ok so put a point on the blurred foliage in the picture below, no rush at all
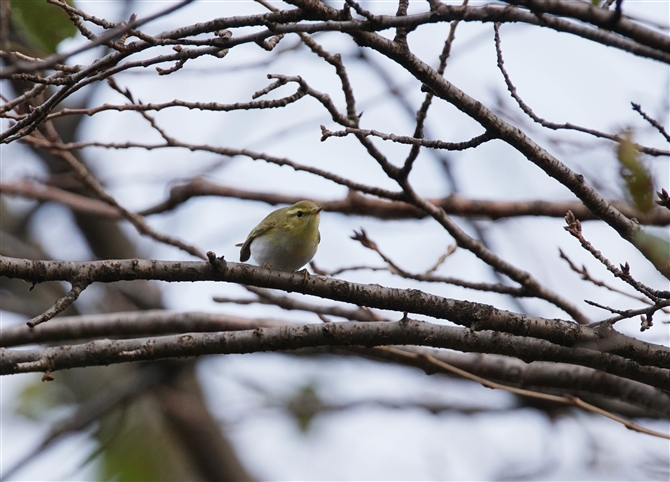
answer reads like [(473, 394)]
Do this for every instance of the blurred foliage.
[(135, 442), (636, 176), (41, 24), (304, 405), (36, 402), (139, 446), (655, 248)]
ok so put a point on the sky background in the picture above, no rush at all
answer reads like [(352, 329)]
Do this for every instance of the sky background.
[(563, 78)]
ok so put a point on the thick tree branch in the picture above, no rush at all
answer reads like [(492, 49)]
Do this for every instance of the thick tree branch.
[(353, 204), (543, 376), (127, 324), (108, 65), (565, 399), (366, 206), (537, 375), (104, 352), (475, 316), (605, 19)]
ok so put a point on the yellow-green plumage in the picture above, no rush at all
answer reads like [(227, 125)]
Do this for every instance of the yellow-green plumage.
[(286, 239)]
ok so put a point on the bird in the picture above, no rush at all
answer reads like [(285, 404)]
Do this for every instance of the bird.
[(286, 240)]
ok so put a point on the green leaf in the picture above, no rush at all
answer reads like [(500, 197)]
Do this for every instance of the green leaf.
[(42, 24), (655, 249), (636, 176)]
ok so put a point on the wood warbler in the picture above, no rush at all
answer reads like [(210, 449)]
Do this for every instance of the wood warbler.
[(286, 239)]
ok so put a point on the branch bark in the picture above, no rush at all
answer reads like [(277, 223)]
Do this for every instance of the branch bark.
[(105, 352), (476, 316)]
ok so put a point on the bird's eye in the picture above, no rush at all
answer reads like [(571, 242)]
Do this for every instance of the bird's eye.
[(299, 214)]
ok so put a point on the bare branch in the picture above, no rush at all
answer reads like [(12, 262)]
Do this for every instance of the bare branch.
[(428, 99), (362, 238), (352, 204), (366, 206), (229, 152), (76, 202), (569, 400), (220, 46), (511, 371), (604, 19), (54, 59), (287, 303), (61, 305), (575, 229), (450, 250), (336, 61), (205, 106), (552, 125), (350, 333), (626, 227), (413, 141), (476, 316), (542, 376), (128, 324), (89, 180), (587, 277), (653, 122)]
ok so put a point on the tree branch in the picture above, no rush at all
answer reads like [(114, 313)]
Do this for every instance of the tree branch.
[(60, 305), (353, 203), (476, 316), (626, 227), (104, 352)]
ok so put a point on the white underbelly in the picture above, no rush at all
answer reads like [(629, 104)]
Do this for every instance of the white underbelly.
[(285, 256)]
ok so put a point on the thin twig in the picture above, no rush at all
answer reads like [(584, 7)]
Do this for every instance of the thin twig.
[(230, 152), (450, 250), (552, 125), (413, 141), (647, 313), (59, 306), (363, 238), (422, 114), (586, 276), (287, 303), (340, 70), (135, 219), (574, 227), (653, 122), (529, 284)]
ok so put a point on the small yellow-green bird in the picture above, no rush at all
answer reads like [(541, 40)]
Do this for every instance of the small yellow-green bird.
[(286, 239)]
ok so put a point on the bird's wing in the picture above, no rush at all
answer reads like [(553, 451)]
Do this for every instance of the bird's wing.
[(245, 251)]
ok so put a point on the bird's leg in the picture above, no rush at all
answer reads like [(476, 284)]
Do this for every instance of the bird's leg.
[(305, 274)]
